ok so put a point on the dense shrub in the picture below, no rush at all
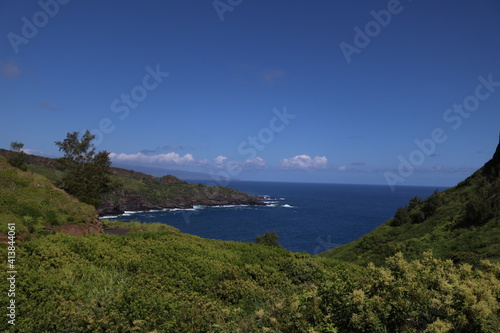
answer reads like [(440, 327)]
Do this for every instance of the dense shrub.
[(401, 217), (417, 210), (167, 281), (427, 295), (269, 239)]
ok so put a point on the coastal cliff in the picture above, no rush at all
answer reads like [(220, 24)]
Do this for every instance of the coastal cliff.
[(137, 191), (142, 192)]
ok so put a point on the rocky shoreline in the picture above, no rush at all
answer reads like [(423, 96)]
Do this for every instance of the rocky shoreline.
[(137, 203)]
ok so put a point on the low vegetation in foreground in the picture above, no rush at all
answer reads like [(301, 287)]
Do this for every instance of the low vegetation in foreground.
[(157, 279)]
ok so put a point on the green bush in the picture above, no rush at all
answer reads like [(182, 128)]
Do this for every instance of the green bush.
[(427, 295), (268, 239), (167, 281), (401, 217)]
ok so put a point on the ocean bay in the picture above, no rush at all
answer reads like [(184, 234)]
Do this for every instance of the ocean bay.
[(308, 217)]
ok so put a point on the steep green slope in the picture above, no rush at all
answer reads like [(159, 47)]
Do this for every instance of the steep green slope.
[(461, 223), (33, 203)]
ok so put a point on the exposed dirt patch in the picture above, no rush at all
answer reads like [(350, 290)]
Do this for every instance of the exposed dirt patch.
[(80, 229), (4, 239)]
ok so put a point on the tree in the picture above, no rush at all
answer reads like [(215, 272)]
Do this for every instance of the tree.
[(88, 175), (18, 158), (401, 217), (269, 239)]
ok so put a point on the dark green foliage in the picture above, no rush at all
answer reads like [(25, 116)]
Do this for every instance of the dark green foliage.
[(431, 204), (269, 239), (417, 210), (464, 257), (401, 217), (477, 212), (414, 202), (18, 157), (88, 176), (483, 204)]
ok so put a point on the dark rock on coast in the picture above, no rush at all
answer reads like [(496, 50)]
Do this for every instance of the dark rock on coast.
[(206, 196)]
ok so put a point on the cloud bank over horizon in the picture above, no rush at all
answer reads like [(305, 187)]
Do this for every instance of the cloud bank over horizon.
[(305, 162)]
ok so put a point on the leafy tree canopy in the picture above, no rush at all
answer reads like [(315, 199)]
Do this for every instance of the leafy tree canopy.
[(18, 159), (88, 177)]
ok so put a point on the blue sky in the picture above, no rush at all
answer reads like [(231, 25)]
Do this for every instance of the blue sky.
[(310, 91)]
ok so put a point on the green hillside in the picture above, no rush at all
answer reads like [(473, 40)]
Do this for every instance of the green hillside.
[(33, 203), (157, 279), (461, 223), (137, 191)]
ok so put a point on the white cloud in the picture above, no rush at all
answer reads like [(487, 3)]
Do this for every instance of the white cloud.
[(254, 163), (220, 161), (305, 162), (32, 151), (164, 159)]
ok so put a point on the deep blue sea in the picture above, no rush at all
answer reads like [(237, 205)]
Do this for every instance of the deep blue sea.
[(307, 217)]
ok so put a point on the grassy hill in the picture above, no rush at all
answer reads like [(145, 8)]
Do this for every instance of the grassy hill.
[(461, 223), (33, 203), (137, 191)]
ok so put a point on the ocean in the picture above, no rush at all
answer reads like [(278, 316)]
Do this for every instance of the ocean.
[(307, 217)]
